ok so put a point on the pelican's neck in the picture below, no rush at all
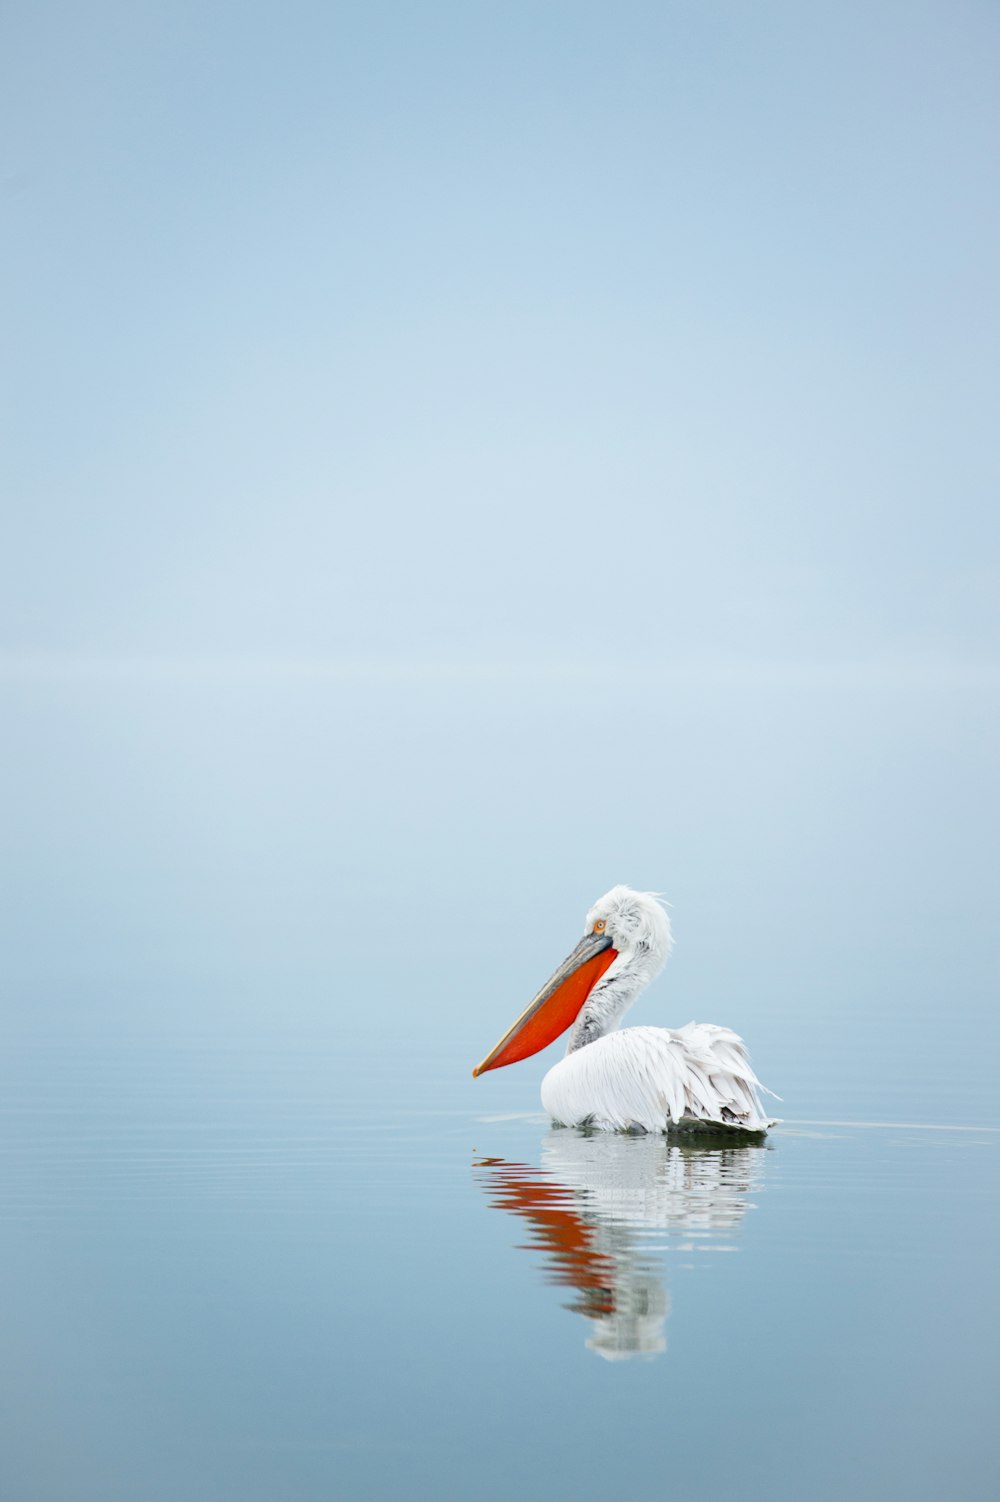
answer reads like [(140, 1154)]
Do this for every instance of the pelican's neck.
[(613, 995)]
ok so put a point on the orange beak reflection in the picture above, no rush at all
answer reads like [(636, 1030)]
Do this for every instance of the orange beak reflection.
[(567, 1240), (557, 1004)]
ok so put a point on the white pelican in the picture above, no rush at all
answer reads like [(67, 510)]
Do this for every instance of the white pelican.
[(644, 1079)]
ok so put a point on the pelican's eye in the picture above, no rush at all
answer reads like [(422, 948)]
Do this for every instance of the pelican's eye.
[(600, 926)]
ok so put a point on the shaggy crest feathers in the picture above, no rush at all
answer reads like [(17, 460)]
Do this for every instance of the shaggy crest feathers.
[(635, 920)]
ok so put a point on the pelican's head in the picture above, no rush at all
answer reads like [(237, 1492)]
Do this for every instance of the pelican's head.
[(635, 922), (622, 924)]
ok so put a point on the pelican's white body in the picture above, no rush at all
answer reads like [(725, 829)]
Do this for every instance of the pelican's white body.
[(652, 1079), (656, 1079)]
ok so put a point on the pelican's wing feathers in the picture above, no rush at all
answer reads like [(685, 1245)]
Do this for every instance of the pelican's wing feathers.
[(659, 1079)]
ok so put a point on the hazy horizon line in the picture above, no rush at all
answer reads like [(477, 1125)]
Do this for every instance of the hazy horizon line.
[(51, 666)]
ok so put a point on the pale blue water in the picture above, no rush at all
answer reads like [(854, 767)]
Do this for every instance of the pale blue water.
[(264, 1237)]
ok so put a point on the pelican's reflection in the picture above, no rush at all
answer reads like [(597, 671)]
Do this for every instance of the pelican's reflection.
[(603, 1209)]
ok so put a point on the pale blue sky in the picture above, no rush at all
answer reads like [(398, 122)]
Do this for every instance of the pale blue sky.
[(641, 333)]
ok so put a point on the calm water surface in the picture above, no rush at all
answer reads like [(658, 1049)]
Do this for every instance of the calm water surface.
[(264, 1238), (234, 1271)]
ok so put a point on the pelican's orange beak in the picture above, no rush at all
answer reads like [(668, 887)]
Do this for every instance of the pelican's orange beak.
[(557, 1004)]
